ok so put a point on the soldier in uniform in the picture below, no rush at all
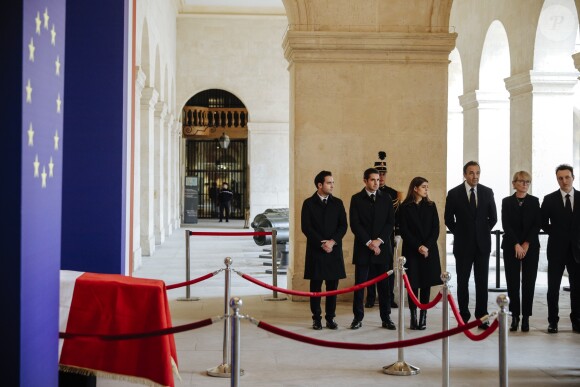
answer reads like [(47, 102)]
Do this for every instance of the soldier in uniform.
[(396, 197)]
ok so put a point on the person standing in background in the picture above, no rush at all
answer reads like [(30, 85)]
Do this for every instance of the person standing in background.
[(470, 215), (521, 221), (561, 220), (323, 221), (419, 226), (372, 220), (225, 199), (396, 196)]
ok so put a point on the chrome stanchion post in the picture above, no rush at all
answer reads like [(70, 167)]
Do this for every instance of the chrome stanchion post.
[(503, 301), (187, 270), (235, 304), (224, 370), (275, 268), (400, 367), (445, 277)]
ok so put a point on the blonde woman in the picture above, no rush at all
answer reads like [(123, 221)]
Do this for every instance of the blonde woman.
[(521, 221)]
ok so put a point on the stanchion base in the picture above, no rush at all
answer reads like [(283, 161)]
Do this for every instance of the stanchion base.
[(222, 371), (497, 290), (275, 298), (401, 368), (188, 299)]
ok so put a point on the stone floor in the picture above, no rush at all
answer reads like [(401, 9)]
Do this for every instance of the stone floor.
[(535, 358)]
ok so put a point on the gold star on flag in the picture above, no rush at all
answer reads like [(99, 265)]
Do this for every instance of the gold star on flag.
[(30, 135), (28, 92), (31, 49), (43, 177), (57, 65), (36, 165), (50, 167), (56, 138), (53, 36), (46, 18), (58, 103), (38, 22)]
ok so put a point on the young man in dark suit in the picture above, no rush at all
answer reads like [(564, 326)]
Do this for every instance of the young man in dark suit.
[(561, 220), (470, 214), (323, 221), (372, 220)]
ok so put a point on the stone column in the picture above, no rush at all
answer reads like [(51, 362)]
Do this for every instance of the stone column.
[(353, 94), (149, 98), (576, 58), (268, 177), (167, 162), (541, 120), (159, 171), (137, 251), (178, 177), (487, 138)]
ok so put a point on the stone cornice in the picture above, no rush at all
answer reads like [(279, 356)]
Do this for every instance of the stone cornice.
[(484, 99), (385, 47), (541, 83), (149, 97), (160, 109)]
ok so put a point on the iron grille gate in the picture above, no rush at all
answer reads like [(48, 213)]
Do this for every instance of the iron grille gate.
[(213, 166)]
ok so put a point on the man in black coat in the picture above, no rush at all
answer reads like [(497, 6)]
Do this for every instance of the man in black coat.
[(470, 214), (372, 220), (561, 220), (323, 221), (225, 198), (395, 195)]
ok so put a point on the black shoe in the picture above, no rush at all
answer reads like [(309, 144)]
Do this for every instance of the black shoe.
[(227, 220), (422, 325), (576, 326), (220, 221), (369, 304), (413, 325), (552, 328), (394, 305), (525, 324), (331, 324), (484, 326), (316, 325), (515, 323), (389, 324), (355, 324)]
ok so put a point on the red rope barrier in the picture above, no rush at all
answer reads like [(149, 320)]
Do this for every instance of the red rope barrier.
[(358, 346), (142, 335), (426, 306), (232, 233), (190, 282), (315, 294), (472, 336)]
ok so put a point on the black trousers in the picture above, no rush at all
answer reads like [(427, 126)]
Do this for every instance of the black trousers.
[(372, 290), (363, 273), (330, 306), (225, 207), (423, 294), (529, 271), (556, 267), (480, 265)]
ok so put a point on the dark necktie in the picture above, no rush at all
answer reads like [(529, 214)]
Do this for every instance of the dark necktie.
[(373, 198), (324, 201), (568, 203), (472, 201)]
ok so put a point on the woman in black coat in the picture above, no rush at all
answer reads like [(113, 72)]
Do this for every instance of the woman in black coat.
[(521, 220), (419, 227)]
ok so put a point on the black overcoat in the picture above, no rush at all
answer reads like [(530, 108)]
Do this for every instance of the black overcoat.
[(419, 225), (369, 221), (323, 222)]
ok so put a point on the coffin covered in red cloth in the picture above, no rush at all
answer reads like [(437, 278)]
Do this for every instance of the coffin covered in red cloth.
[(111, 304)]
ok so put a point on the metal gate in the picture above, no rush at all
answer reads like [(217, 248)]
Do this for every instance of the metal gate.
[(213, 165)]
